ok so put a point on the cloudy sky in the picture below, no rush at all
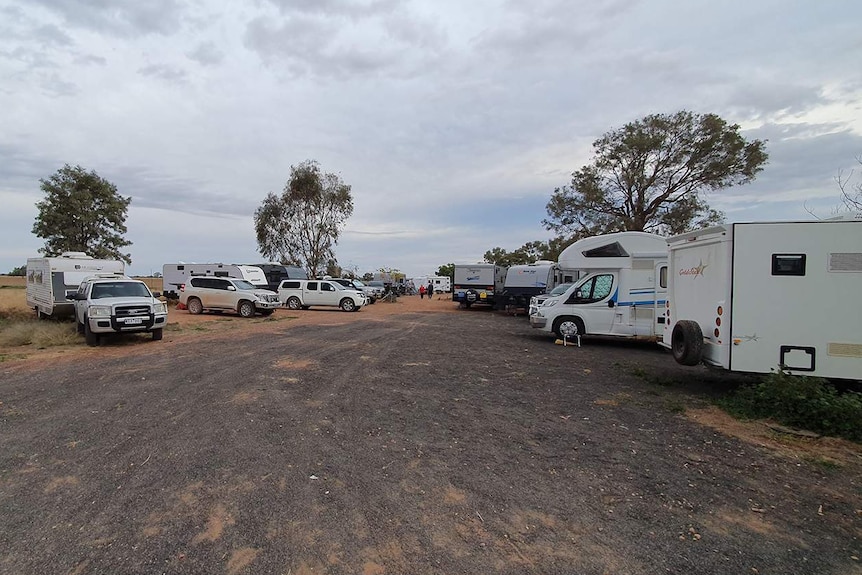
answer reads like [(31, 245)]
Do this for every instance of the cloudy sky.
[(453, 121)]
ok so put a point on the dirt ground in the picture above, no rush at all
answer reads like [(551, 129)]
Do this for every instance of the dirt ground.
[(411, 437)]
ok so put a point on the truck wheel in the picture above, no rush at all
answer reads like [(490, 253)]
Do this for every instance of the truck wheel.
[(157, 334), (293, 303), (347, 304), (686, 342), (569, 327), (80, 327), (194, 306), (246, 308), (91, 338)]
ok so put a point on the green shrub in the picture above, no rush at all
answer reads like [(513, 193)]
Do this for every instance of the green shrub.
[(805, 402)]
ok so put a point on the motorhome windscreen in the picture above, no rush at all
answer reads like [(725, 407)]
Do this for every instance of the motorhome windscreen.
[(614, 250)]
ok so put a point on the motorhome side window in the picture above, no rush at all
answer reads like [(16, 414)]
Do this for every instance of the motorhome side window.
[(788, 264), (614, 250)]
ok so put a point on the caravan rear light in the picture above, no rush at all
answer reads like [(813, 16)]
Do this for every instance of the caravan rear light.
[(716, 332), (719, 310), (718, 321), (182, 287)]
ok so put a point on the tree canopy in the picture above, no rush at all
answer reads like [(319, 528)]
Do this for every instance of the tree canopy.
[(446, 270), (529, 252), (82, 212), (302, 224), (651, 175)]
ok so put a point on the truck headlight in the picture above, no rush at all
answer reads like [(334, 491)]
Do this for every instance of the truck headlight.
[(99, 311), (160, 308)]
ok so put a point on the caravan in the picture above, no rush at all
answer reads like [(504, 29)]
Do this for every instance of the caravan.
[(755, 297), (523, 282), (478, 283), (49, 278), (174, 276), (619, 288)]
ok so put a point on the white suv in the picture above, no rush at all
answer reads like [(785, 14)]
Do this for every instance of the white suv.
[(110, 303), (302, 294), (221, 293)]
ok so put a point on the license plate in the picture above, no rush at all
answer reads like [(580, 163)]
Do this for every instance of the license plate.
[(134, 320)]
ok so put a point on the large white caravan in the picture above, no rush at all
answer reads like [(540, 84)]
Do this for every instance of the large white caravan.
[(478, 283), (528, 280), (442, 284), (176, 275), (753, 297), (619, 288), (49, 278)]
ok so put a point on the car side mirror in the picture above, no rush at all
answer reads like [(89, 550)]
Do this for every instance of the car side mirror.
[(72, 295), (611, 303), (579, 294), (157, 294), (231, 288)]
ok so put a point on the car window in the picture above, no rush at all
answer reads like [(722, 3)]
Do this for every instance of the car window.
[(289, 285), (312, 286), (358, 283), (243, 284), (326, 286), (560, 289)]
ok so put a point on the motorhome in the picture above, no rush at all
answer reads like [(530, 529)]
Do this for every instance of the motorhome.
[(478, 283), (755, 297), (175, 275), (49, 278), (619, 291), (525, 281)]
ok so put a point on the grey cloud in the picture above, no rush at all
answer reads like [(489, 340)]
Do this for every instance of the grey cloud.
[(120, 18), (764, 100), (206, 54), (91, 60), (347, 8), (50, 35), (307, 46), (164, 72)]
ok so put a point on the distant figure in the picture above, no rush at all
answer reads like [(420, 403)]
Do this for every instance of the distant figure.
[(421, 291), (430, 290)]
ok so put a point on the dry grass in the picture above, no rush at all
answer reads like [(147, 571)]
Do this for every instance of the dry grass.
[(41, 334)]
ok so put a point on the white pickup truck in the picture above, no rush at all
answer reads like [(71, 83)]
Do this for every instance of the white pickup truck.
[(302, 294)]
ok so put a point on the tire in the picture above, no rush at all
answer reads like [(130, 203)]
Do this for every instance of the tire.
[(91, 338), (80, 327), (347, 304), (306, 307), (293, 303), (472, 296), (245, 308), (686, 342), (568, 326), (194, 306), (266, 312), (157, 334)]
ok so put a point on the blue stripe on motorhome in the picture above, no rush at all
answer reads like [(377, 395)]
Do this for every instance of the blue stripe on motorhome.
[(647, 302)]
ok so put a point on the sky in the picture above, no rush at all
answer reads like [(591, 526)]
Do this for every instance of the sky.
[(453, 122)]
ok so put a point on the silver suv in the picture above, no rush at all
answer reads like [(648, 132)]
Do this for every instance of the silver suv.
[(221, 293), (110, 303), (370, 292)]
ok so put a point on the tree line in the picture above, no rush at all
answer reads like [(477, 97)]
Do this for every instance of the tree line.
[(652, 175)]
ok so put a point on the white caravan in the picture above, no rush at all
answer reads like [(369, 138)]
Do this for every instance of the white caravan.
[(478, 283), (49, 278), (528, 280), (176, 275), (620, 290), (753, 297), (442, 284)]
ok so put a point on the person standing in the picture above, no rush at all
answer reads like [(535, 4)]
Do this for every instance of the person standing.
[(430, 290), (421, 291)]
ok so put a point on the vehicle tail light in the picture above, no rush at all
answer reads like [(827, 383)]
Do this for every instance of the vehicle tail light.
[(182, 287)]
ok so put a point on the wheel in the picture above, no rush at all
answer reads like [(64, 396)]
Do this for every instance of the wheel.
[(266, 312), (686, 342), (80, 327), (347, 304), (293, 303), (306, 307), (568, 326), (157, 334), (245, 308), (471, 296), (91, 338), (194, 306)]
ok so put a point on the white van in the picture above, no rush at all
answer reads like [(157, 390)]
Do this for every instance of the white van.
[(620, 291)]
